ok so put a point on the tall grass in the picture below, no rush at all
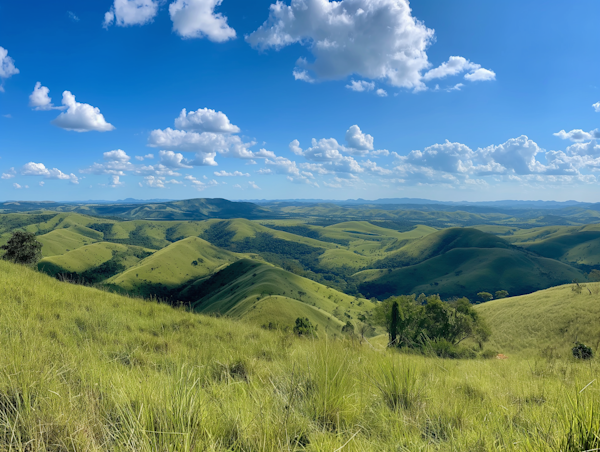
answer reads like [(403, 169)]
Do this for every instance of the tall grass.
[(84, 370)]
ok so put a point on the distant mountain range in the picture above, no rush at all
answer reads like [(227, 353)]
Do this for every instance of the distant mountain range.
[(404, 212), (511, 204)]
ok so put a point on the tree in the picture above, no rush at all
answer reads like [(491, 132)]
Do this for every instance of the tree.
[(348, 328), (501, 294), (22, 248), (412, 324), (594, 275), (304, 327), (485, 296), (466, 323), (364, 329), (394, 323)]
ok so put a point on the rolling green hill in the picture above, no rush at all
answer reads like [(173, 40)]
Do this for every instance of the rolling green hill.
[(172, 266), (438, 243), (581, 247), (356, 257), (547, 322), (467, 271), (90, 257), (63, 240), (263, 293)]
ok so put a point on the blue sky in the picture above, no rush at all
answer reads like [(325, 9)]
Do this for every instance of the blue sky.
[(461, 100)]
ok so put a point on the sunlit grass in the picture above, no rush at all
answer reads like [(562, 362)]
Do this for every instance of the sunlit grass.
[(82, 369)]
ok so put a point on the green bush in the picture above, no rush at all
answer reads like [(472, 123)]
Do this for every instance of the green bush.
[(304, 327), (485, 296), (582, 351), (501, 294)]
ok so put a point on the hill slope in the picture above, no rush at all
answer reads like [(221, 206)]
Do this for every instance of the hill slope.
[(467, 271), (438, 243), (580, 247), (173, 265), (263, 293), (90, 257), (548, 321), (84, 369)]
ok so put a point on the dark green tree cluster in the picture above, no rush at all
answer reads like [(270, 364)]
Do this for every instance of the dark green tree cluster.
[(304, 327), (412, 322), (22, 248)]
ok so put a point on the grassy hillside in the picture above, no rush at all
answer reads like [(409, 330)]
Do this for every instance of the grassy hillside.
[(61, 241), (341, 255), (174, 265), (580, 247), (87, 370), (92, 256), (546, 322), (467, 271), (438, 243), (261, 292)]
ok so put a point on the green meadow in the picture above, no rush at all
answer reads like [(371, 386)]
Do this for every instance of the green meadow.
[(84, 369)]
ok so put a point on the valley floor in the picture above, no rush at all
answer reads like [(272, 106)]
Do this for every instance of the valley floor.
[(82, 369)]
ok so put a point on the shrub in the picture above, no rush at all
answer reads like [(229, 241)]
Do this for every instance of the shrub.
[(485, 296), (488, 354), (501, 294), (348, 328), (443, 348), (582, 351), (304, 327)]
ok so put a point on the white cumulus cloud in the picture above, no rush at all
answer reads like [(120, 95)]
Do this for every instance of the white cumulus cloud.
[(116, 163), (204, 143), (358, 140), (457, 65), (116, 156), (40, 100), (596, 107), (205, 120), (9, 174), (481, 75), (381, 92), (131, 12), (7, 67), (361, 85), (114, 181), (226, 174), (197, 19), (154, 181), (39, 169), (172, 159), (375, 39), (578, 135), (81, 117)]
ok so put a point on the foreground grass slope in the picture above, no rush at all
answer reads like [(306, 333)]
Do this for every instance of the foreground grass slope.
[(87, 370), (549, 321)]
